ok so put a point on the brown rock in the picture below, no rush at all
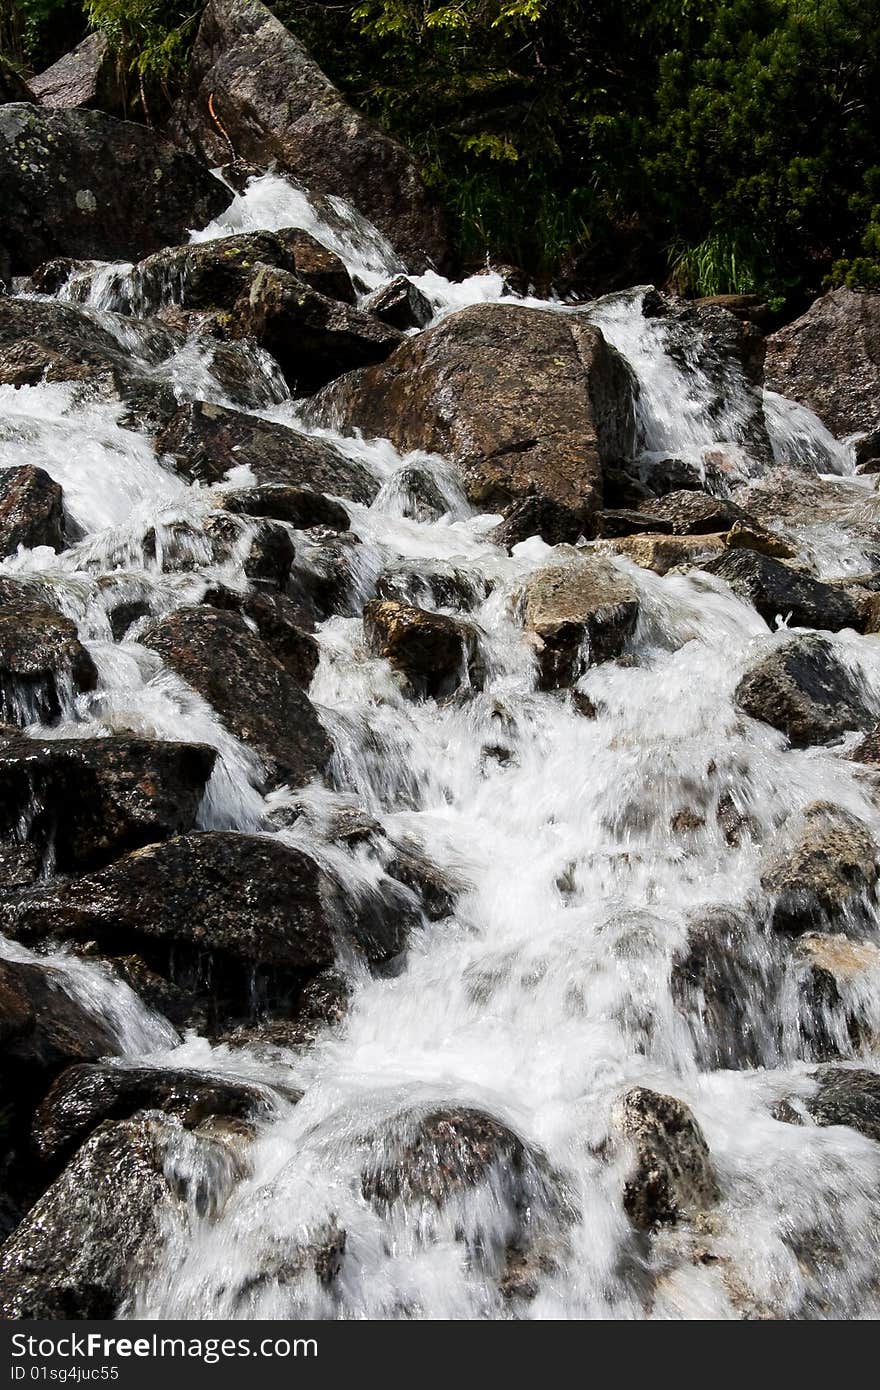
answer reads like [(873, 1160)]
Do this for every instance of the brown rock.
[(581, 613), (434, 653), (31, 511), (827, 879), (829, 360), (528, 404), (673, 1176)]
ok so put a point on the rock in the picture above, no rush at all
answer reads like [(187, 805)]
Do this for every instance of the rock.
[(90, 1240), (281, 625), (42, 1027), (829, 360), (827, 878), (429, 1158), (750, 307), (867, 750), (80, 183), (662, 553), (31, 511), (715, 980), (433, 653), (206, 441), (691, 513), (270, 551), (581, 613), (750, 535), (840, 974), (41, 657), (85, 77), (256, 698), (127, 792), (528, 404), (803, 690), (86, 1095), (847, 1097), (401, 304), (323, 1003), (209, 275), (274, 105), (298, 506), (241, 899), (777, 590), (313, 339), (44, 341), (673, 1177)]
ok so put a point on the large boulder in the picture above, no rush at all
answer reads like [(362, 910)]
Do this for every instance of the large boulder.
[(43, 1028), (579, 613), (313, 339), (829, 360), (208, 275), (672, 1175), (778, 591), (804, 691), (89, 1241), (255, 696), (31, 510), (528, 404), (826, 878), (243, 900), (127, 792), (206, 441), (87, 76), (41, 656), (282, 624), (85, 1095), (256, 93), (80, 183), (434, 654)]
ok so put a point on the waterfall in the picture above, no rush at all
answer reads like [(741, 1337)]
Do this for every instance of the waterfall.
[(583, 852)]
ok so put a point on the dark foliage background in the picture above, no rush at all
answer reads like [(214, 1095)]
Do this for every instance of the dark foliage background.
[(728, 144)]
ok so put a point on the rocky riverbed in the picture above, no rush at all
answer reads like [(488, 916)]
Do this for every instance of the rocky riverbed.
[(439, 747)]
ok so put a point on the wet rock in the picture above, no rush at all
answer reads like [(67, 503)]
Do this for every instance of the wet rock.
[(270, 551), (750, 307), (31, 511), (89, 1241), (42, 1027), (236, 898), (313, 339), (692, 513), (838, 974), (829, 360), (127, 792), (298, 506), (847, 1097), (580, 613), (536, 516), (43, 341), (433, 653), (282, 625), (750, 535), (431, 1157), (401, 304), (826, 879), (673, 1177), (777, 590), (716, 978), (206, 441), (211, 275), (662, 553), (328, 579), (323, 1003), (802, 690), (84, 1096), (80, 183), (527, 403), (40, 656), (86, 77), (273, 104), (252, 692), (867, 750)]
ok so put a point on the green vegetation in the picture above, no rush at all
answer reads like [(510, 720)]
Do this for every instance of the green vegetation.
[(729, 144)]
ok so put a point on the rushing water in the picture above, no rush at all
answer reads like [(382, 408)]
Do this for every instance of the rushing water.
[(583, 850)]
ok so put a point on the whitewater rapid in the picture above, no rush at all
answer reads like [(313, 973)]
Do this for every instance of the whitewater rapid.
[(547, 995)]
